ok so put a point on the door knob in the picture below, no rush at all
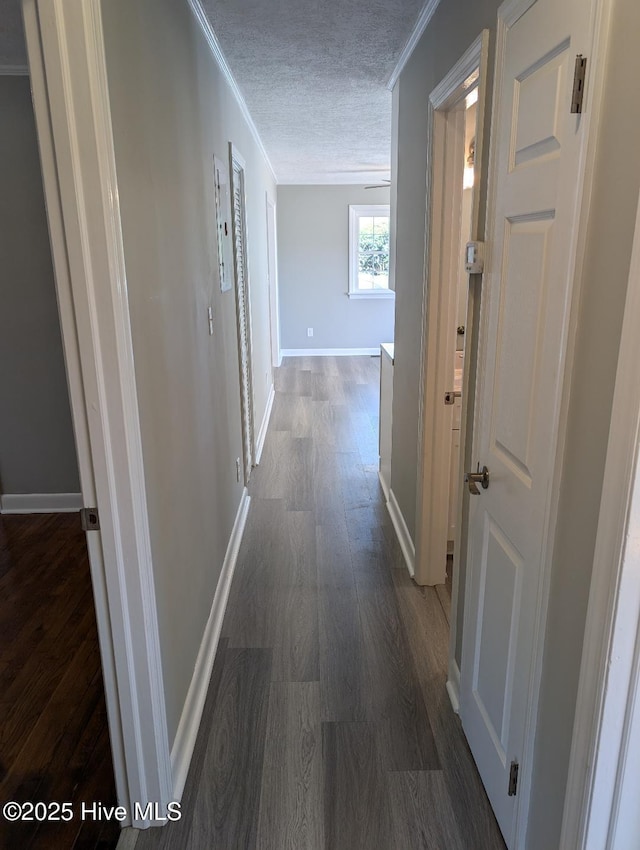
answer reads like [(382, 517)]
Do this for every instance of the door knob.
[(474, 478)]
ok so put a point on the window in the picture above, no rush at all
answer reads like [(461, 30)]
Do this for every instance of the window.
[(369, 251)]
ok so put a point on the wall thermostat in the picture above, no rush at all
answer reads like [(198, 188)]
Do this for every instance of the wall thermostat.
[(474, 258)]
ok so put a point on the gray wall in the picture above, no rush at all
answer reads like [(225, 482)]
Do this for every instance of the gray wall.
[(37, 449), (453, 28), (172, 111), (313, 271)]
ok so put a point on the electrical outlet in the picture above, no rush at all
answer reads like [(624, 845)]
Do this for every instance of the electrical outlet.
[(309, 331), (238, 470)]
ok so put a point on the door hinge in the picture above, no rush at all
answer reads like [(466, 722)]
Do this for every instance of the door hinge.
[(579, 76), (513, 779), (90, 519)]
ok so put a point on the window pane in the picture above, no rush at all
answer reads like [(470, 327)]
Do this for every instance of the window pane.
[(373, 253), (376, 238), (373, 270), (381, 226)]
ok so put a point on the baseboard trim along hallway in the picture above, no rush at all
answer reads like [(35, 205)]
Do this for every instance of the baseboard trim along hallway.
[(262, 433), (404, 538), (40, 503), (453, 686), (185, 740), (330, 352)]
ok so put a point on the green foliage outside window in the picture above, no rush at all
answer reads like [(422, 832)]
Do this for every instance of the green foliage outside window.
[(373, 252)]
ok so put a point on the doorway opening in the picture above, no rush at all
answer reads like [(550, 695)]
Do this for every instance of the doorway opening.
[(272, 266), (456, 196), (467, 115), (54, 732), (451, 305)]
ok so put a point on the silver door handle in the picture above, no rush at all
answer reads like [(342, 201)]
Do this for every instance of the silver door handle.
[(474, 478)]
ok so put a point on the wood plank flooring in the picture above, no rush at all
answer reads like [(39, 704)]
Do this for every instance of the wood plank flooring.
[(327, 725), (54, 742)]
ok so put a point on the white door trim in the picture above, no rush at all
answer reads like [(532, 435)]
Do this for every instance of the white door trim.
[(272, 246), (439, 304), (609, 688), (237, 174), (508, 14), (66, 52)]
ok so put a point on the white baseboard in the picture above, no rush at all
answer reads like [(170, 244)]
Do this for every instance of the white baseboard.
[(185, 741), (453, 686), (329, 352), (40, 503), (262, 433), (14, 70), (402, 532), (384, 484)]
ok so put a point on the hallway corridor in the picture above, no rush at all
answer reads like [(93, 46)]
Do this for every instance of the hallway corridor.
[(327, 723)]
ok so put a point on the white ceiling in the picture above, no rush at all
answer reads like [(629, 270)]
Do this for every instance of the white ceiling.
[(312, 72)]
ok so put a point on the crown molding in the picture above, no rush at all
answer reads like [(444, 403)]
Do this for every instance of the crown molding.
[(420, 26), (14, 70), (212, 40)]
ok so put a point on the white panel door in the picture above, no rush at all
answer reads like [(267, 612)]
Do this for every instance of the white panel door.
[(535, 176)]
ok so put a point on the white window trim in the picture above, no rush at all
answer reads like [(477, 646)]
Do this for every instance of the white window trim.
[(355, 211)]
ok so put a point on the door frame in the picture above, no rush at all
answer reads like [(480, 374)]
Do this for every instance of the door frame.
[(237, 165), (71, 104), (272, 265), (73, 371), (509, 12), (608, 702), (439, 303)]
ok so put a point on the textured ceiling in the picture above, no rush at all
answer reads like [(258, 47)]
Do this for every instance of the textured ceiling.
[(312, 72)]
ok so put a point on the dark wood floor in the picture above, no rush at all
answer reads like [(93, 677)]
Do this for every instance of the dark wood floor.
[(54, 743), (327, 724)]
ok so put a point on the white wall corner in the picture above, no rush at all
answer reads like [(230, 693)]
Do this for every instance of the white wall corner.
[(262, 433), (185, 740), (402, 533), (40, 503)]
